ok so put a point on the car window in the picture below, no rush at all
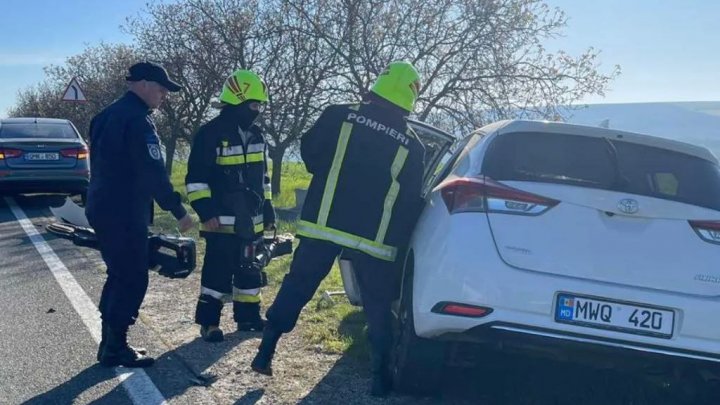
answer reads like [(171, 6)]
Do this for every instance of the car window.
[(37, 130), (606, 164), (447, 164), (436, 143)]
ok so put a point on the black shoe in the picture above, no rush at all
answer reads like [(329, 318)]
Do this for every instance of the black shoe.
[(101, 347), (139, 350), (262, 363), (211, 333), (251, 326), (116, 352)]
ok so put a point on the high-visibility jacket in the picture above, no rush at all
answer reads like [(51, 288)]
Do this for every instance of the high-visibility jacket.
[(367, 168), (227, 177)]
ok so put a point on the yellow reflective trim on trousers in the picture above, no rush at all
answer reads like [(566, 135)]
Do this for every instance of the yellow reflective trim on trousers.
[(393, 191), (268, 195), (196, 195), (374, 249), (258, 228), (333, 174), (246, 298)]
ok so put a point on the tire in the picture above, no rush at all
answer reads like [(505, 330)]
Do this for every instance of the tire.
[(417, 363)]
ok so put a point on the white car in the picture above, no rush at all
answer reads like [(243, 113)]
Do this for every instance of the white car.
[(551, 236)]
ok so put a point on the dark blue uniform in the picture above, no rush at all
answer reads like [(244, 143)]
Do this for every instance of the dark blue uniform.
[(127, 174)]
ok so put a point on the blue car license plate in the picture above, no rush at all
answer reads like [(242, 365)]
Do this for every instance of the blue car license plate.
[(42, 156), (620, 316)]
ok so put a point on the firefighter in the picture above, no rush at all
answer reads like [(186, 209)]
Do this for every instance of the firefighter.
[(127, 174), (367, 168), (228, 186)]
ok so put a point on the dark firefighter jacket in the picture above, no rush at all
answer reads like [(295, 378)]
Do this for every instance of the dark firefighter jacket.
[(227, 178), (127, 167), (367, 168)]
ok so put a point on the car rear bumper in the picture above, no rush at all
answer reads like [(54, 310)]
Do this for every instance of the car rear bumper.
[(450, 266), (573, 346), (74, 180)]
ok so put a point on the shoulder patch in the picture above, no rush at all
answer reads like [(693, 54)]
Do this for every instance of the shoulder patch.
[(154, 151)]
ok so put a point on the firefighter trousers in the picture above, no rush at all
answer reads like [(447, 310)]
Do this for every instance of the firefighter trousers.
[(378, 281), (124, 249), (226, 272)]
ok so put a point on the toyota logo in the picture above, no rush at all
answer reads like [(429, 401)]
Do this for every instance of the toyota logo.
[(629, 206)]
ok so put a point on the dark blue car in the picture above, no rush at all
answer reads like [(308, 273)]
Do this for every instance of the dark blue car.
[(42, 155)]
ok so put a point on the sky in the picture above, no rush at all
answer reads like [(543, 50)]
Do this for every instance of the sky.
[(668, 50)]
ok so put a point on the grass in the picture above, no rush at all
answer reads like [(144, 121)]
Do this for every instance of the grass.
[(335, 326)]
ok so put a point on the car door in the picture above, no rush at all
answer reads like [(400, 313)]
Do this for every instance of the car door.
[(438, 148)]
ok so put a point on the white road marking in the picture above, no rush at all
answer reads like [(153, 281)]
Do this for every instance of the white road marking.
[(138, 385)]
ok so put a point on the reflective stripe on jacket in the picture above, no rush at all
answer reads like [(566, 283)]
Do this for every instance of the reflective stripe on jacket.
[(367, 168), (227, 176)]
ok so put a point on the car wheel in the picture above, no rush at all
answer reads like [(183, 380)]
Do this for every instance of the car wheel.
[(416, 362)]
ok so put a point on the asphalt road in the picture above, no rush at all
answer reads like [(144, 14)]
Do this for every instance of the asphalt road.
[(47, 350)]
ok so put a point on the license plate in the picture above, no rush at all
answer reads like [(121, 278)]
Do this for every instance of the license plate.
[(614, 315), (42, 156)]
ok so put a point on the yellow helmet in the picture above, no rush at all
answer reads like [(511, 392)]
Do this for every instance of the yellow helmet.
[(398, 84), (243, 85)]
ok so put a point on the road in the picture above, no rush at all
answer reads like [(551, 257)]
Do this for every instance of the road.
[(49, 324)]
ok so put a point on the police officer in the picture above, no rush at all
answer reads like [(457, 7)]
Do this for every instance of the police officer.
[(128, 173), (367, 168), (228, 187)]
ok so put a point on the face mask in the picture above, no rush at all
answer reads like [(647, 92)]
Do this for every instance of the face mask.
[(242, 113)]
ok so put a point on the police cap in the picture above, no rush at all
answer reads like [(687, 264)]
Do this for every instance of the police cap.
[(151, 72)]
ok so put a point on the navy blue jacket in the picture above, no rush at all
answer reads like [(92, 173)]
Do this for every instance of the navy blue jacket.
[(127, 170), (227, 177)]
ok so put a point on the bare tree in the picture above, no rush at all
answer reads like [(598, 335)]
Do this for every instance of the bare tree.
[(183, 38), (479, 60)]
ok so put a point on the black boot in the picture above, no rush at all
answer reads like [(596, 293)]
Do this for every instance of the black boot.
[(251, 326), (117, 352), (262, 363), (247, 316), (381, 384), (103, 340)]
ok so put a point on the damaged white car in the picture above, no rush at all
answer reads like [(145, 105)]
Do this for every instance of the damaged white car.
[(562, 238)]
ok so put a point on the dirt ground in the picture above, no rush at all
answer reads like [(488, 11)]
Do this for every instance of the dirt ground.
[(304, 374)]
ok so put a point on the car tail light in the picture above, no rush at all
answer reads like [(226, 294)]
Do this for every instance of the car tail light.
[(80, 153), (709, 231), (482, 194), (454, 308), (9, 153)]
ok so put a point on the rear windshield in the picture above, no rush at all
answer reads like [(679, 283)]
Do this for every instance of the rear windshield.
[(32, 130), (604, 163)]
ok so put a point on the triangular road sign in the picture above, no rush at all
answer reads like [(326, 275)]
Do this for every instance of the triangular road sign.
[(74, 92)]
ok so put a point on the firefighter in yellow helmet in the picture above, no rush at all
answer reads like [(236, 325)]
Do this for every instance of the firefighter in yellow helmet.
[(367, 168), (228, 186)]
